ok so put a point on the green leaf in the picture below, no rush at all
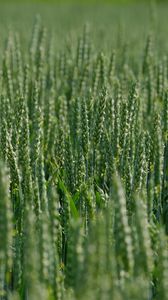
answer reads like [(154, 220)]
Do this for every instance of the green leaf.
[(73, 208)]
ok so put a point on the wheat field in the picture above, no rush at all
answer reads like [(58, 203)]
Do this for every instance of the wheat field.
[(83, 152)]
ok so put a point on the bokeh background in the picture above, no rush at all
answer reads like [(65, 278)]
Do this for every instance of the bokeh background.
[(64, 19)]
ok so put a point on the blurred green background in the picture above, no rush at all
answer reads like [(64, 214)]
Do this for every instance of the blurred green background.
[(64, 19), (83, 1)]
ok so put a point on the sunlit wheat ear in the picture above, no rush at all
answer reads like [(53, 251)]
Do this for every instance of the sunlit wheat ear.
[(69, 165), (35, 40), (165, 116), (24, 157), (112, 66), (162, 265), (165, 187), (6, 231), (31, 268), (140, 165), (99, 122), (160, 81), (84, 128), (124, 247), (19, 63), (148, 53), (7, 67), (3, 136), (145, 257)]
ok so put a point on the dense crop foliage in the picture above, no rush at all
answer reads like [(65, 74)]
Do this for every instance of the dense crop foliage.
[(83, 170)]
